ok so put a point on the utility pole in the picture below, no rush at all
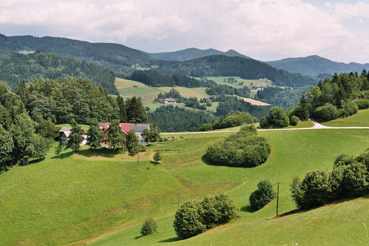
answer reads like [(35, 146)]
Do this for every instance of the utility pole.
[(277, 199), (138, 159)]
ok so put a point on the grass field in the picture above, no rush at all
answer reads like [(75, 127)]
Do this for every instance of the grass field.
[(359, 119), (102, 199), (244, 82)]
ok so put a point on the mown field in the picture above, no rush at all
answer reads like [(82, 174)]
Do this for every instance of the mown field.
[(102, 199), (359, 119), (239, 82)]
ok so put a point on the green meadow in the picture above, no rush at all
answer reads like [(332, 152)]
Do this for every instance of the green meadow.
[(359, 119), (223, 80), (99, 198)]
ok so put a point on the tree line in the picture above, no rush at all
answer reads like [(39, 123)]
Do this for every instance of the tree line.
[(230, 120), (339, 96)]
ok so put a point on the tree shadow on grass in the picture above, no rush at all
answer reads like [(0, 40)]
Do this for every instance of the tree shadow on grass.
[(247, 209), (64, 155), (154, 163), (170, 240), (108, 153)]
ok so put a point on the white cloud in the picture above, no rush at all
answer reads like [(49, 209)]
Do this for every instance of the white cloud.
[(263, 29)]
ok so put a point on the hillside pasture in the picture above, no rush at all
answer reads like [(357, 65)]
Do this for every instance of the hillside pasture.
[(359, 119), (222, 80)]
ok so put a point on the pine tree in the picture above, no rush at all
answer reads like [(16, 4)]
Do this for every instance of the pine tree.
[(135, 111), (95, 135), (122, 109)]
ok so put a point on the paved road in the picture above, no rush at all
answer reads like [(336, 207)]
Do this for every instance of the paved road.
[(316, 126)]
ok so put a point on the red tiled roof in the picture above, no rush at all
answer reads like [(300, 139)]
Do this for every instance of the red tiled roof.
[(126, 127)]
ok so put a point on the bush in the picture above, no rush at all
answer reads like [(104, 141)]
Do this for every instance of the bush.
[(362, 104), (264, 122), (157, 157), (149, 227), (195, 217), (350, 108), (244, 149), (325, 113), (187, 222), (262, 196), (294, 120), (356, 180), (277, 118), (206, 127)]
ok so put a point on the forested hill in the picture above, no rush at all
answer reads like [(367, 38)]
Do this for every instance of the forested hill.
[(317, 66), (16, 67), (246, 68), (192, 53), (118, 58)]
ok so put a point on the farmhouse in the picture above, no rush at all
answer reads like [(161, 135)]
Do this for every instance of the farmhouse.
[(64, 134), (126, 127), (167, 100)]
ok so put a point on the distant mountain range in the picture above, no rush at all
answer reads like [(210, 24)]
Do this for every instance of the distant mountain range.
[(192, 53), (316, 66)]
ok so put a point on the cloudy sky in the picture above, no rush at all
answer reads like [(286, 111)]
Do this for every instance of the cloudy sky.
[(262, 29)]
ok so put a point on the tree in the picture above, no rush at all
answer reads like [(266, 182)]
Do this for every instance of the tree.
[(133, 145), (152, 135), (6, 148), (94, 135), (75, 137), (135, 111), (47, 129), (22, 132), (294, 120), (115, 137), (157, 157), (39, 147), (122, 109), (277, 117), (262, 196), (149, 227), (187, 222)]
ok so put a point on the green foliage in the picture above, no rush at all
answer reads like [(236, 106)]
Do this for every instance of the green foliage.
[(132, 143), (157, 156), (216, 89), (122, 109), (47, 129), (244, 149), (277, 118), (16, 67), (294, 120), (6, 147), (94, 135), (39, 147), (234, 66), (116, 137), (176, 119), (152, 135), (232, 105), (156, 79), (262, 196), (326, 112), (187, 222), (149, 227), (195, 217), (230, 120), (285, 98), (135, 111), (356, 179), (75, 137)]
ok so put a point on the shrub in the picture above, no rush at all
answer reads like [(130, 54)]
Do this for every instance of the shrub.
[(262, 196), (325, 113), (149, 227), (244, 149), (206, 127), (363, 104), (187, 222), (264, 122), (277, 118), (294, 120), (356, 180), (157, 157), (350, 108)]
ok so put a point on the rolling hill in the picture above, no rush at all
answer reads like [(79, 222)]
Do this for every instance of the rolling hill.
[(16, 67), (316, 66), (192, 53), (246, 68)]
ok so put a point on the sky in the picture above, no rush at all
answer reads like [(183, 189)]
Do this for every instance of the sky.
[(262, 29)]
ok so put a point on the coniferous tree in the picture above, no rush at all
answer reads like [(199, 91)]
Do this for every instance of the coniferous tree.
[(135, 111), (20, 90), (95, 135), (122, 109)]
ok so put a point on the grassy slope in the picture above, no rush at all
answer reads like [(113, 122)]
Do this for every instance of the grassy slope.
[(293, 153), (359, 119), (245, 82)]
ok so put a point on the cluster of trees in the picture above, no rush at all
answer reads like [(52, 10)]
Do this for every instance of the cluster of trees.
[(262, 196), (64, 100), (335, 97), (279, 118), (283, 97), (156, 79), (231, 105), (20, 136), (177, 119), (16, 67), (244, 149), (230, 120), (245, 68), (216, 89), (349, 178), (195, 217)]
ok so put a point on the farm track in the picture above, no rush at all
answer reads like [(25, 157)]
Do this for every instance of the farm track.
[(316, 126)]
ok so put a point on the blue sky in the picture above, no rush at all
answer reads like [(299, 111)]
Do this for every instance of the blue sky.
[(262, 29)]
